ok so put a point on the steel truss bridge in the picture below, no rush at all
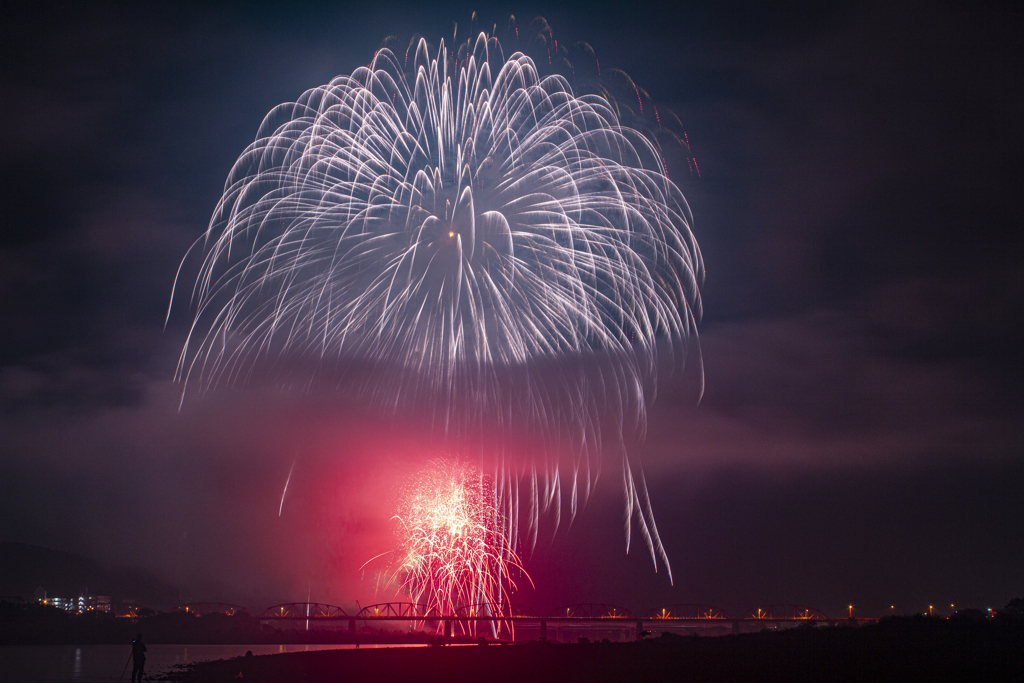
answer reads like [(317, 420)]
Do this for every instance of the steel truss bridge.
[(502, 617)]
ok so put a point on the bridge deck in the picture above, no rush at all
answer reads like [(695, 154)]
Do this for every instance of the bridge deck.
[(578, 620)]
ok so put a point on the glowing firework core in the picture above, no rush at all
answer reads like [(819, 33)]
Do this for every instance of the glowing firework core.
[(453, 551)]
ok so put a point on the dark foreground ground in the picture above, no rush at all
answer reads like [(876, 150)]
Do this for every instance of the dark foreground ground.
[(894, 650)]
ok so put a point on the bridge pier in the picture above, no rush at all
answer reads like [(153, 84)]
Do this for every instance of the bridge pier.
[(639, 628), (351, 625), (735, 625), (448, 632), (543, 629)]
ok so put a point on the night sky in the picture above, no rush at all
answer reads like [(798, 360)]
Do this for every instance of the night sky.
[(859, 211)]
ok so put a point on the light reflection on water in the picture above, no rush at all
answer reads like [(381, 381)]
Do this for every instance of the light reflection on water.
[(105, 663)]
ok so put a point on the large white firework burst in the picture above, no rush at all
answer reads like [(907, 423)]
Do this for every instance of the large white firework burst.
[(480, 240)]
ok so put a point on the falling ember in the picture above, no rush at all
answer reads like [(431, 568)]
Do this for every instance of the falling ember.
[(287, 481), (453, 550)]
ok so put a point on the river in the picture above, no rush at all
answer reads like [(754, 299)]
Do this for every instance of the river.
[(105, 663)]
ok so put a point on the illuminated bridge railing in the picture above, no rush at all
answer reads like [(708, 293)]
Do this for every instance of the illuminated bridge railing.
[(592, 610), (502, 612), (787, 613), (496, 610), (304, 610), (687, 612), (203, 608)]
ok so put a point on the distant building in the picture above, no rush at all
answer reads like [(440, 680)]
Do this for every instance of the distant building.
[(85, 602), (60, 603)]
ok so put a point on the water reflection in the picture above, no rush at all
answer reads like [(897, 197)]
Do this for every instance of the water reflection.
[(105, 663)]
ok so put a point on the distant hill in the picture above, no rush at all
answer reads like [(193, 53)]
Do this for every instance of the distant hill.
[(25, 567)]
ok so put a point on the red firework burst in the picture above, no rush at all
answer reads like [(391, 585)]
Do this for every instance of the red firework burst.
[(453, 547)]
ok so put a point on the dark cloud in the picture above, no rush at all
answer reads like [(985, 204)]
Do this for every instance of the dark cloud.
[(819, 390)]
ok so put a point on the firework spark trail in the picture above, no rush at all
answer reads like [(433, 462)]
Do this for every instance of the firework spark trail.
[(475, 233), (287, 481), (452, 547)]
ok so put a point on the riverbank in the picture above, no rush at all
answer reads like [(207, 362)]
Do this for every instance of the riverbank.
[(907, 650)]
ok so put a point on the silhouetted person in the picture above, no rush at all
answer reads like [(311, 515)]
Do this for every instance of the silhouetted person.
[(138, 657)]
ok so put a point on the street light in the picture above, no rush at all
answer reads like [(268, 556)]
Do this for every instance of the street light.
[(851, 611)]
